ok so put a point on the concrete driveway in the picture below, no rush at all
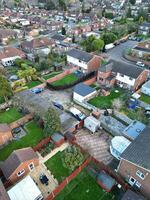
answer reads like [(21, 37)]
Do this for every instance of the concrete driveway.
[(96, 144)]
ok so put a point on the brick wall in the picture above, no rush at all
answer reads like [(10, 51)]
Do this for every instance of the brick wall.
[(90, 81), (21, 121), (141, 79), (41, 144)]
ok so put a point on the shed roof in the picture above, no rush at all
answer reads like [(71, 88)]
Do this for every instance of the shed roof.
[(56, 137), (83, 89), (4, 128)]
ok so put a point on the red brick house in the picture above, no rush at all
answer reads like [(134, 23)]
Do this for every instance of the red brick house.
[(105, 76), (19, 164), (84, 61), (134, 165)]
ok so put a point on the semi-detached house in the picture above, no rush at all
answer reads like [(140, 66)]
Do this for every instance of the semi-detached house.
[(83, 61)]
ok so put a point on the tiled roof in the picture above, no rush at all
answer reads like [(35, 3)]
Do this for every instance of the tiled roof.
[(80, 55)]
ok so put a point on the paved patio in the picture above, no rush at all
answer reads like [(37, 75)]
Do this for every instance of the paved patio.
[(96, 144), (45, 189)]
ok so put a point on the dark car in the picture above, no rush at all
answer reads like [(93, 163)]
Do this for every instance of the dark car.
[(58, 105), (44, 179), (37, 90), (16, 130)]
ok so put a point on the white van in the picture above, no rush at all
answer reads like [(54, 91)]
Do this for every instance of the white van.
[(77, 113)]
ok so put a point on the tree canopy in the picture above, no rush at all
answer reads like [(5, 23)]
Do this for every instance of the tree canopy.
[(5, 88), (109, 38), (52, 122)]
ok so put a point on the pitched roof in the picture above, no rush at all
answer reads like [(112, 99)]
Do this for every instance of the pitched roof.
[(80, 55), (106, 67), (83, 89), (130, 195), (138, 152), (126, 69), (4, 128), (37, 43), (15, 159), (10, 52)]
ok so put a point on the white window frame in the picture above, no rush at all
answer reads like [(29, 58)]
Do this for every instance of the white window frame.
[(138, 184), (21, 172), (30, 167), (140, 174), (130, 182)]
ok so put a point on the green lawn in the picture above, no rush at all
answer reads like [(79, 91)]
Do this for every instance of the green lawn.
[(55, 165), (9, 116), (68, 79), (33, 84), (84, 187), (1, 100), (105, 101), (32, 138), (145, 98), (51, 75)]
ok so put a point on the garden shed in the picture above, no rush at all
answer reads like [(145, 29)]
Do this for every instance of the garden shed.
[(92, 124), (106, 181), (58, 139)]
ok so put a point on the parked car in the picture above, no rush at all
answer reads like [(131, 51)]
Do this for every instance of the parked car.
[(37, 90), (140, 64), (16, 130), (44, 179), (77, 113), (58, 105)]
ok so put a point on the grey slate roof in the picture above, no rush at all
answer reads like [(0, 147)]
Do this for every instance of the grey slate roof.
[(80, 55), (15, 159), (138, 152), (56, 137), (106, 67), (130, 195), (83, 89), (126, 69), (142, 49)]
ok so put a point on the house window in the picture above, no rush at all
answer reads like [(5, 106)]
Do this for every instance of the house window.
[(132, 181), (21, 172), (140, 174), (130, 78), (31, 166), (100, 79), (121, 75), (138, 184)]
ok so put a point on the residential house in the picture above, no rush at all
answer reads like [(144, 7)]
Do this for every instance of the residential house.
[(19, 164), (9, 54), (146, 88), (5, 134), (134, 165), (124, 75), (84, 61), (6, 35), (38, 46), (57, 38), (142, 50), (105, 76), (132, 196), (82, 92), (144, 29)]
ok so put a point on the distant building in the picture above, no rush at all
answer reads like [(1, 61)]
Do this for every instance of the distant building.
[(144, 29), (134, 165), (142, 50)]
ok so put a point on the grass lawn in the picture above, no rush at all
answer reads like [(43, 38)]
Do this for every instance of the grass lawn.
[(32, 138), (105, 101), (55, 165), (145, 98), (68, 79), (83, 187), (51, 75), (9, 116), (33, 84)]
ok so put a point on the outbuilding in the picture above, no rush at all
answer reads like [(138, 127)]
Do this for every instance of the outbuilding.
[(92, 124), (83, 92), (26, 189), (118, 146), (58, 139)]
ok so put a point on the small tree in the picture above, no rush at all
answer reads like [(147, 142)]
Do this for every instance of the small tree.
[(72, 157), (51, 121), (132, 2), (117, 104), (5, 88)]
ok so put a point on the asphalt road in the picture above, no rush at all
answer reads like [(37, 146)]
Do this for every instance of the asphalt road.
[(117, 52)]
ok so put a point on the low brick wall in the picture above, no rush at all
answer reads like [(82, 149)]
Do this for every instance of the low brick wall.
[(41, 144), (90, 81), (68, 179), (21, 121)]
